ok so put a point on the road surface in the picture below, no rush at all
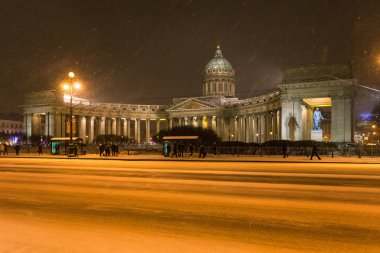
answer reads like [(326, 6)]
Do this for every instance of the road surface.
[(50, 205)]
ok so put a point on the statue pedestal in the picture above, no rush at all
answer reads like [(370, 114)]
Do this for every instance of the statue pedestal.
[(317, 135)]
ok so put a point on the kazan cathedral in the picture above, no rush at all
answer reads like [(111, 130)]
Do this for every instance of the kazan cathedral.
[(284, 113)]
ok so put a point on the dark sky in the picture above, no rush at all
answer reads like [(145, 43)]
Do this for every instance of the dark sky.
[(151, 51)]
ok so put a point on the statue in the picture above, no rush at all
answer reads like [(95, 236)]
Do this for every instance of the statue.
[(317, 118)]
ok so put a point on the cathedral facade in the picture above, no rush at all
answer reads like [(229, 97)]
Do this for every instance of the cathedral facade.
[(284, 113)]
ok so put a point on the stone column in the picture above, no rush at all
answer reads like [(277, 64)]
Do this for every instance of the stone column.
[(341, 119), (102, 126), (147, 130), (248, 123), (214, 123), (123, 127), (128, 128), (50, 124), (82, 127), (109, 125), (113, 125), (263, 129), (36, 124), (170, 123), (244, 128), (158, 125), (28, 125), (138, 131), (279, 125), (236, 128), (89, 130), (200, 121)]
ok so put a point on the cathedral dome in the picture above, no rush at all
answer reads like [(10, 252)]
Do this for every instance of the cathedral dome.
[(219, 65), (219, 76)]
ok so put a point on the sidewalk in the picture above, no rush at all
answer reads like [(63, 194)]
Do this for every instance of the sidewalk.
[(211, 158)]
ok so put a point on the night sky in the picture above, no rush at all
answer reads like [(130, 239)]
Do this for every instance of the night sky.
[(151, 51)]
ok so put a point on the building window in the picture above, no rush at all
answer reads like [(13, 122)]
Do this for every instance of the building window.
[(220, 87), (225, 86), (214, 87)]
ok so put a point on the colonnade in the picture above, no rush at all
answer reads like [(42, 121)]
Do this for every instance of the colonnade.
[(89, 127), (258, 127)]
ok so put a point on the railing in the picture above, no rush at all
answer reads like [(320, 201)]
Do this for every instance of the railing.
[(358, 151)]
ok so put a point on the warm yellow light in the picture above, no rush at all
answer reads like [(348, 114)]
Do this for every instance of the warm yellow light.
[(71, 74), (373, 126), (66, 87), (77, 85)]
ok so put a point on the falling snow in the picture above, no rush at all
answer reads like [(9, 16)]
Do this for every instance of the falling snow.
[(152, 51)]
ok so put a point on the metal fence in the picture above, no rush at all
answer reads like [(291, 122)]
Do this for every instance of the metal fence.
[(342, 151)]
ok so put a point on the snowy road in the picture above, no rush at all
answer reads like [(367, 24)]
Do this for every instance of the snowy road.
[(49, 205)]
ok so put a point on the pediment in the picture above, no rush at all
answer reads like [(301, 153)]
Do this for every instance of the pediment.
[(192, 104)]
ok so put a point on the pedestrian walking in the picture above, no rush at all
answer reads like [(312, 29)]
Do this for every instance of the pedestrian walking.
[(57, 149), (116, 149), (39, 149), (284, 150), (202, 151), (169, 149), (108, 150), (76, 150), (113, 149), (314, 151), (181, 149), (191, 149), (175, 150), (5, 148), (215, 148), (17, 149), (2, 149)]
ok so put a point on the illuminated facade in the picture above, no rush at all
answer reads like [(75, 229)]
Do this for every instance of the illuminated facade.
[(283, 113), (11, 127)]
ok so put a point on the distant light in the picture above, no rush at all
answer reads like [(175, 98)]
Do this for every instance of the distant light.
[(71, 74), (77, 85), (66, 87)]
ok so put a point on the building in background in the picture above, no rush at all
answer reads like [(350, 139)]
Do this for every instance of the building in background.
[(367, 129), (11, 131), (284, 113)]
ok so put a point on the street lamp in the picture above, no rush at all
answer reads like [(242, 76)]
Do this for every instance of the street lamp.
[(70, 87)]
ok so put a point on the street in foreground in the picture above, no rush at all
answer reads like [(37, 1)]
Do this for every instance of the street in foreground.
[(49, 205)]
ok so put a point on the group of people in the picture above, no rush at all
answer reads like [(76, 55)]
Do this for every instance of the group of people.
[(108, 149), (4, 149), (179, 148)]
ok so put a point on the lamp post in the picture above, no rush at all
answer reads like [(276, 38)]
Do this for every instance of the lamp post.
[(71, 87)]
